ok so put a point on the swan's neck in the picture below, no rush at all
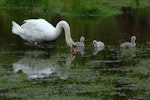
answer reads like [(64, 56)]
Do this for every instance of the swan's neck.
[(133, 41), (64, 25)]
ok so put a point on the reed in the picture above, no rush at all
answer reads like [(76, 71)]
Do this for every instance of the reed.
[(76, 7)]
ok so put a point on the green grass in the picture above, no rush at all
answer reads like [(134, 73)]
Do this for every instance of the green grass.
[(76, 7)]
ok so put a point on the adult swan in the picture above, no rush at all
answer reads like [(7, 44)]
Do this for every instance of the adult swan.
[(40, 31)]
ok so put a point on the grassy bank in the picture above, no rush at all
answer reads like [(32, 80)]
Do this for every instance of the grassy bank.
[(76, 7)]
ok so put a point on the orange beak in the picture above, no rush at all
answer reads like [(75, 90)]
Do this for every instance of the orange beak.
[(74, 49)]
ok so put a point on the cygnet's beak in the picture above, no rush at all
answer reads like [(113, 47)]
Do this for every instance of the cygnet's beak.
[(74, 48)]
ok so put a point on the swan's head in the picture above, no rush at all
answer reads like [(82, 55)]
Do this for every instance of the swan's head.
[(133, 39), (94, 43), (74, 48), (82, 39)]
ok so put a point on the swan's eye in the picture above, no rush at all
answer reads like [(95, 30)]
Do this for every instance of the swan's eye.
[(74, 45)]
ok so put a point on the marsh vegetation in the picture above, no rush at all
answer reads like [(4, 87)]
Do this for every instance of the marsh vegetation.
[(75, 7), (27, 72)]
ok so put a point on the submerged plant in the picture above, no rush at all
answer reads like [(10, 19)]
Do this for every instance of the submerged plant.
[(132, 55), (141, 69), (35, 53)]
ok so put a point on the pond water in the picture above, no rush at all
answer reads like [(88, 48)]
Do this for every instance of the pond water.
[(27, 72)]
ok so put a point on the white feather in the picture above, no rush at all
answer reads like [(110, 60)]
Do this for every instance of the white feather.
[(39, 31)]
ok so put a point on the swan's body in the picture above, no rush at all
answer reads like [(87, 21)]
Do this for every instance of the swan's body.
[(40, 31), (128, 45), (97, 46)]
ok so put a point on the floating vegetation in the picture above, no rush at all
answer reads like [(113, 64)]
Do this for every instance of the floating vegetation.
[(26, 73), (35, 53)]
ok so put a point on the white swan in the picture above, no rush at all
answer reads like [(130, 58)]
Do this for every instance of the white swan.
[(97, 46), (40, 31), (127, 45)]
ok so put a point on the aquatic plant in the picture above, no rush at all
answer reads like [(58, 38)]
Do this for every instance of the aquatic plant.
[(128, 55), (35, 53), (142, 69)]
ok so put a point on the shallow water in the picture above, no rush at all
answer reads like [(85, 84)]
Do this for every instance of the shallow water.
[(27, 72)]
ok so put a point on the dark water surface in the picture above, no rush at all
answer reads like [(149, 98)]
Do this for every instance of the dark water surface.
[(27, 72)]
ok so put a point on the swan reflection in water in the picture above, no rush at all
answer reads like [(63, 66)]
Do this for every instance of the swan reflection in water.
[(36, 67)]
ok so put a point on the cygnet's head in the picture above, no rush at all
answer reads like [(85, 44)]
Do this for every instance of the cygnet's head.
[(133, 39), (94, 43), (82, 39)]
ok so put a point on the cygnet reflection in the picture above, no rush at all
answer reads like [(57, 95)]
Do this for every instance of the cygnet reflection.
[(96, 50)]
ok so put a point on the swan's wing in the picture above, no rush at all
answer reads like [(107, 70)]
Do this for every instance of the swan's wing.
[(38, 25), (100, 44), (37, 29), (126, 45)]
